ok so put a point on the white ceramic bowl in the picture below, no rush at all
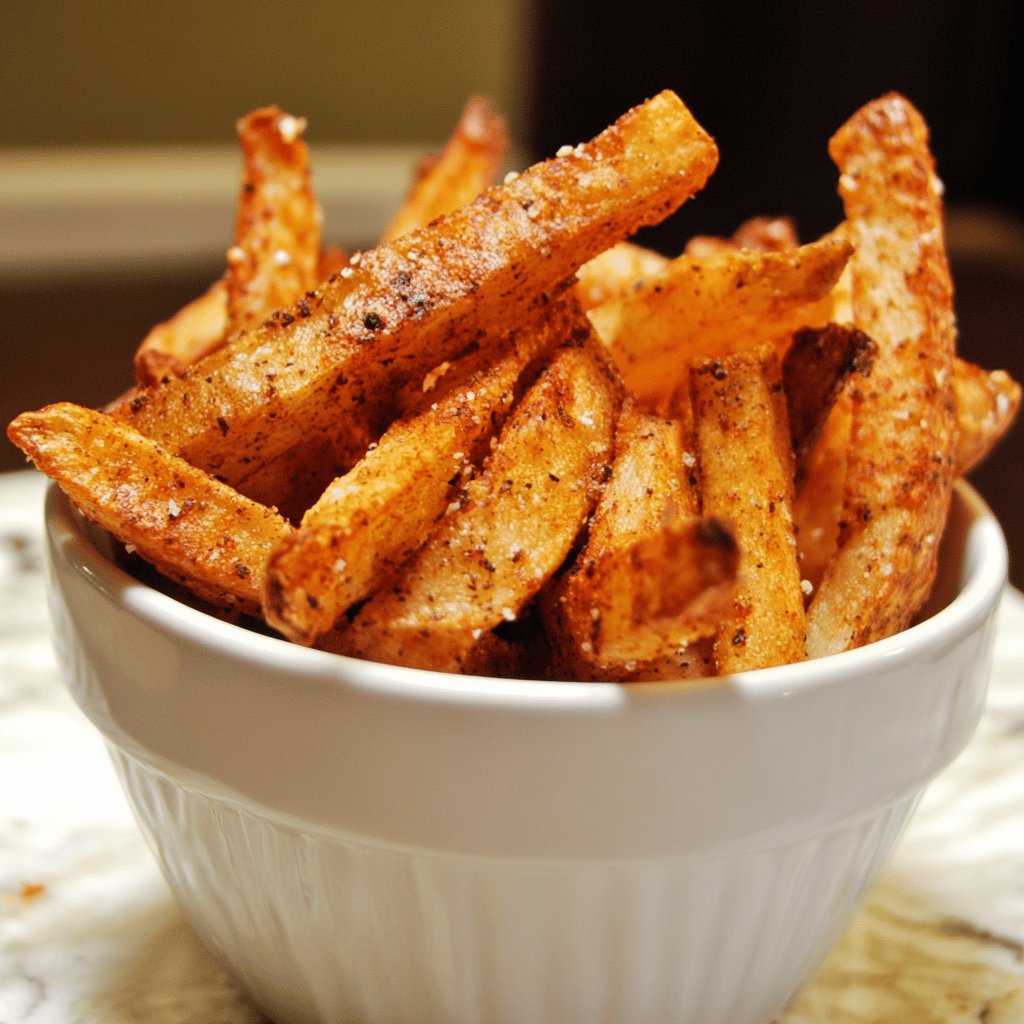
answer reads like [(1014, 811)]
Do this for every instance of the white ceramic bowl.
[(361, 842)]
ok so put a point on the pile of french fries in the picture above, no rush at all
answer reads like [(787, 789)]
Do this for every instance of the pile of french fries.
[(509, 441)]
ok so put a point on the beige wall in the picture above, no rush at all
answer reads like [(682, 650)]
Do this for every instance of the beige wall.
[(106, 72)]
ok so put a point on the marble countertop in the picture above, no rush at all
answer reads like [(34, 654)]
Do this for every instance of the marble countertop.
[(89, 933)]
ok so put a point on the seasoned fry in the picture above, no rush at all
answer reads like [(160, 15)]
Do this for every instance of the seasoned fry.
[(746, 465), (467, 165), (987, 403), (313, 370), (367, 522), (616, 272), (191, 528), (766, 234), (815, 369), (275, 258), (900, 462), (193, 332), (714, 305), (653, 576), (508, 533)]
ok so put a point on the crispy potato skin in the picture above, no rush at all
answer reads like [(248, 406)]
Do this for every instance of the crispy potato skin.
[(509, 532), (191, 528), (314, 368), (900, 462)]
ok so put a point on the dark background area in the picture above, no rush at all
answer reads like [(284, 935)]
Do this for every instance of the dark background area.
[(770, 82)]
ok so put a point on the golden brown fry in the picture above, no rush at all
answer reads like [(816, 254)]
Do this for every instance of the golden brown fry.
[(193, 332), (467, 165), (653, 576), (314, 370), (192, 528), (900, 462), (370, 520), (987, 403), (766, 234), (713, 306), (820, 487), (815, 369), (276, 253), (616, 272), (512, 528), (746, 465)]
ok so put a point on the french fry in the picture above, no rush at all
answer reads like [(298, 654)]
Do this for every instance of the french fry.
[(314, 369), (653, 577), (467, 165), (191, 528), (509, 532), (987, 403), (616, 272), (900, 461), (370, 520), (746, 467), (193, 332), (820, 489), (766, 234), (815, 369), (275, 258), (714, 305)]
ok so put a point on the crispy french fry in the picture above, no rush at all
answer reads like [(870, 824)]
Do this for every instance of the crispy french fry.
[(467, 165), (370, 520), (766, 234), (987, 403), (653, 577), (616, 272), (820, 488), (711, 306), (746, 466), (509, 532), (312, 371), (815, 369), (191, 528), (900, 462), (193, 332), (275, 258)]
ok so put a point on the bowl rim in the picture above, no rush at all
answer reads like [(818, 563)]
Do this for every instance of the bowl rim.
[(983, 577)]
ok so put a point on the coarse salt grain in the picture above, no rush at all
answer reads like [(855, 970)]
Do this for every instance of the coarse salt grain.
[(508, 615), (340, 565), (282, 258)]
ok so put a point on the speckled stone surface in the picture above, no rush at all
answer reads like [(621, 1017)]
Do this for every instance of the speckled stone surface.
[(89, 933)]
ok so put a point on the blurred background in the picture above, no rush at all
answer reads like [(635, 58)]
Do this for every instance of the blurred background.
[(118, 172)]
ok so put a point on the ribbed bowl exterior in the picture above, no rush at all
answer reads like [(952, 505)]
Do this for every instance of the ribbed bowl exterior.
[(321, 927), (367, 844)]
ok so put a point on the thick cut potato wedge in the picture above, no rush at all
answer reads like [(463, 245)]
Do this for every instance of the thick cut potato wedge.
[(468, 164), (275, 258), (510, 530), (900, 461), (370, 520), (746, 466), (191, 528), (713, 306), (309, 374)]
